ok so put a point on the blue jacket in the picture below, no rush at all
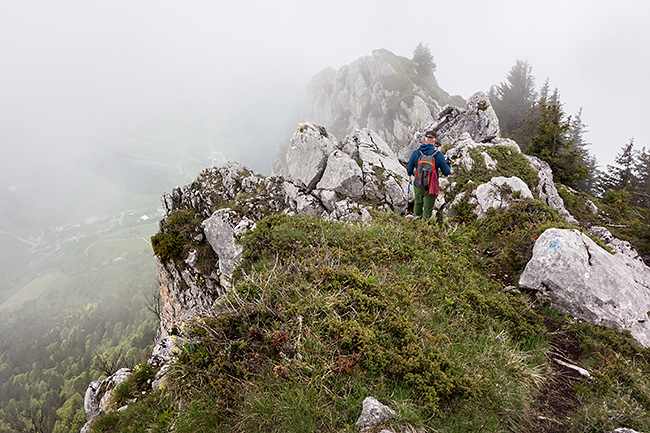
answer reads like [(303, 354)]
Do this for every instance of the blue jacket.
[(428, 149)]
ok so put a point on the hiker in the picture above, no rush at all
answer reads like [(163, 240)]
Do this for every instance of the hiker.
[(425, 163)]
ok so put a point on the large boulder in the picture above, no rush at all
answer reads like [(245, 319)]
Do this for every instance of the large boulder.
[(342, 175), (618, 245), (583, 280), (99, 393), (220, 231), (362, 167), (478, 119), (384, 178), (301, 201), (499, 193), (308, 153)]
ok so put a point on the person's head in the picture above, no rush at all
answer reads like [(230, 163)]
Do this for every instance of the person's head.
[(430, 137)]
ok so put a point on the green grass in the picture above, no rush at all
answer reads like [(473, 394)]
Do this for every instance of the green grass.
[(329, 313), (34, 289)]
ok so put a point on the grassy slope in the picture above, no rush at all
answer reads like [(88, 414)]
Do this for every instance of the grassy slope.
[(327, 313)]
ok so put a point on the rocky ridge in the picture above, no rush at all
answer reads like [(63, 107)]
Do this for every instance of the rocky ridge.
[(343, 180)]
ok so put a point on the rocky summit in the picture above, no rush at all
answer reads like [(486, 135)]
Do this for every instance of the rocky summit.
[(382, 92)]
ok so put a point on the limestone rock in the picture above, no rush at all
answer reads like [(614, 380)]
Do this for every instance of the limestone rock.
[(98, 394), (583, 280), (217, 187), (616, 244), (301, 201), (498, 193), (490, 163), (500, 141), (592, 207), (384, 178), (373, 413), (460, 152), (546, 188), (369, 93), (478, 119), (164, 350), (342, 175), (184, 295), (219, 231), (623, 430), (308, 153)]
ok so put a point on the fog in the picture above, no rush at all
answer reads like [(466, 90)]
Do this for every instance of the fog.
[(88, 84)]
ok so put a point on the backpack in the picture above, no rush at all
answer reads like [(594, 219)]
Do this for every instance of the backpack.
[(425, 173)]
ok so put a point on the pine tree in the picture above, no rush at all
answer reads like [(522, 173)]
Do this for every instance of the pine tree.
[(543, 94), (577, 130), (624, 173), (423, 60), (616, 177), (514, 97), (553, 145), (642, 170), (528, 129)]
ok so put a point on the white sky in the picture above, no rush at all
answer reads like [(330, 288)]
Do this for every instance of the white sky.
[(74, 69)]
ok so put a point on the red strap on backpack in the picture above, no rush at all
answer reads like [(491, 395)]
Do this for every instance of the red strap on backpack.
[(434, 186)]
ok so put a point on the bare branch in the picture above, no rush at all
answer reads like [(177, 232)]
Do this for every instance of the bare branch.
[(154, 304), (107, 365)]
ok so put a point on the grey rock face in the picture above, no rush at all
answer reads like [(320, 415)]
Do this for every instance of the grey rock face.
[(364, 167), (184, 295), (342, 175), (616, 244), (219, 230), (592, 207), (583, 280), (546, 189), (218, 187), (490, 163), (301, 201), (460, 152), (369, 93), (373, 413), (478, 119), (499, 193), (385, 179), (307, 156), (98, 394)]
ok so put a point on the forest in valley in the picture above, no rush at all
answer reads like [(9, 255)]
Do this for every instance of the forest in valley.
[(98, 313)]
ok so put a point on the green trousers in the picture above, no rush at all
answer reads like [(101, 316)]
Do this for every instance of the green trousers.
[(423, 203)]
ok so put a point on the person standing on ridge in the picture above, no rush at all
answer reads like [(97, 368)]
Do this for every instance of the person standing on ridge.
[(425, 162)]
